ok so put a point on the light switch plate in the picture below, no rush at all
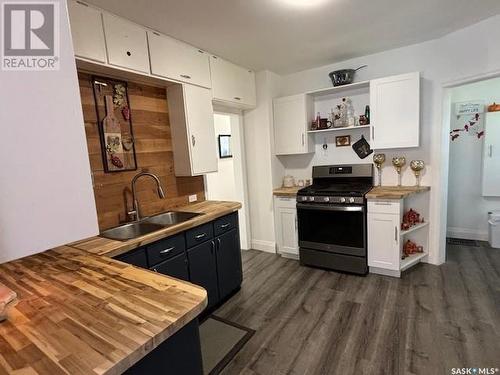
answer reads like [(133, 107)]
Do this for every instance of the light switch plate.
[(193, 198)]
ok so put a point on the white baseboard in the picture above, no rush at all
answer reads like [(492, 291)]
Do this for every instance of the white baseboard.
[(467, 234), (290, 256), (266, 246)]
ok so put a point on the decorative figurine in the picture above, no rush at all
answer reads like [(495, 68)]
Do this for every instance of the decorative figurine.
[(410, 248), (379, 159), (410, 219), (417, 166), (399, 162)]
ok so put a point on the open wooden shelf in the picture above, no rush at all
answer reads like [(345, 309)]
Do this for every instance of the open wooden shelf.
[(339, 89), (411, 261), (414, 228), (347, 128)]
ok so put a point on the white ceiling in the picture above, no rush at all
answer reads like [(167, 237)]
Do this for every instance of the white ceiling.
[(285, 38)]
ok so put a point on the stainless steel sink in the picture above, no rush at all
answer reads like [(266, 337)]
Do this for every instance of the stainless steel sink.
[(131, 230), (147, 225), (170, 218)]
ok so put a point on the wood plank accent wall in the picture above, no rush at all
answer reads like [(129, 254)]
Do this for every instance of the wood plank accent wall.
[(153, 143)]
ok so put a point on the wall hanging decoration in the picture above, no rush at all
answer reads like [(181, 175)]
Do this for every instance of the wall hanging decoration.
[(225, 146), (343, 140), (362, 148), (115, 124), (494, 107), (468, 120)]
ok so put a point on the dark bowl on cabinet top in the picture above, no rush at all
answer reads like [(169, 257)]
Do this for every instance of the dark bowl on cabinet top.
[(165, 249), (226, 223)]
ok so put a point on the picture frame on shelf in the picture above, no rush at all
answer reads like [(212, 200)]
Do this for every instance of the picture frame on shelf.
[(225, 146), (342, 140)]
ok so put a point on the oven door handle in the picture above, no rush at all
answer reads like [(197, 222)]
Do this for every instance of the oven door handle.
[(328, 207)]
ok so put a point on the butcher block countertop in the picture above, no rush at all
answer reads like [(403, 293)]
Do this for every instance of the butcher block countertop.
[(395, 192), (80, 313), (211, 210), (286, 191)]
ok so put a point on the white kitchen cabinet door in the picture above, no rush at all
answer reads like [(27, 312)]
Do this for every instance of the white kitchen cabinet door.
[(395, 111), (491, 155), (179, 61), (383, 241), (126, 43), (232, 83), (286, 226), (193, 132), (87, 31), (291, 118)]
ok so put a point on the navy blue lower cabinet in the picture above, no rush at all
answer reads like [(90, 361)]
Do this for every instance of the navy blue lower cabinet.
[(228, 256), (176, 266), (136, 257), (203, 270), (179, 354)]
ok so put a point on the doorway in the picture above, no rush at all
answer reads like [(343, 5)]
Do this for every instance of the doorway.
[(229, 182), (474, 161)]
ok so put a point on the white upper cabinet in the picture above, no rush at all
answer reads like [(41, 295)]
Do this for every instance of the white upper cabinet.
[(127, 44), (232, 84), (291, 118), (87, 31), (395, 111), (178, 61), (193, 132), (491, 157)]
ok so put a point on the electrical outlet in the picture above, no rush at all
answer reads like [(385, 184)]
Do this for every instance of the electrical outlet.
[(193, 198)]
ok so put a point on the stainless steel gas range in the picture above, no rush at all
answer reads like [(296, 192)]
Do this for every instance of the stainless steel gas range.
[(332, 218)]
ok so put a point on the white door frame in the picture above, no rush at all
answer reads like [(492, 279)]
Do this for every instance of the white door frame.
[(442, 157), (240, 164)]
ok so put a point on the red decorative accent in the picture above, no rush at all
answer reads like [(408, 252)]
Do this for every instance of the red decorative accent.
[(410, 248), (410, 219)]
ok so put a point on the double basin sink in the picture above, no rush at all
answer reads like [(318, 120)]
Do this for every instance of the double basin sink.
[(147, 225)]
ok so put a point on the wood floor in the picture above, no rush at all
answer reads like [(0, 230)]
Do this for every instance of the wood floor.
[(310, 321)]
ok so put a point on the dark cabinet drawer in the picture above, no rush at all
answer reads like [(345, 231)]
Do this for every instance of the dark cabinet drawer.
[(203, 270), (226, 223), (135, 257), (165, 249), (176, 267), (199, 235)]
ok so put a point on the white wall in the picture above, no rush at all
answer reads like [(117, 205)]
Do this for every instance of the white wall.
[(229, 182), (263, 169), (467, 208), (46, 196), (458, 56)]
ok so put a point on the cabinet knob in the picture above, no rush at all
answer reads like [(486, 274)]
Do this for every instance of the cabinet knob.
[(193, 140), (129, 53), (166, 251), (200, 236), (185, 76), (237, 98)]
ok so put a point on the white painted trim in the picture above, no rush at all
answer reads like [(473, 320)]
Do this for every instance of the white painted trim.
[(266, 246), (290, 256), (440, 156), (468, 234), (385, 272)]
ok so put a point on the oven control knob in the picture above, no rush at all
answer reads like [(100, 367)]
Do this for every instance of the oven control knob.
[(342, 200), (351, 200), (311, 199), (326, 199)]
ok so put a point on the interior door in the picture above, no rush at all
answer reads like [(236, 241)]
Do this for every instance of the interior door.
[(491, 156)]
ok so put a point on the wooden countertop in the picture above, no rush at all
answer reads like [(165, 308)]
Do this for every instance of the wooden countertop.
[(80, 313), (286, 191), (395, 192), (211, 210)]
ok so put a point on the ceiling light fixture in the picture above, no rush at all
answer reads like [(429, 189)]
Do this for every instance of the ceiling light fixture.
[(303, 3)]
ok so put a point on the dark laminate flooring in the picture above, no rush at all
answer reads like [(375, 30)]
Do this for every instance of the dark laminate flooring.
[(310, 321)]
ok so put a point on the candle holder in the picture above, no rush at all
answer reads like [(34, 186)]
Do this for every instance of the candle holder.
[(399, 162), (379, 159), (417, 166)]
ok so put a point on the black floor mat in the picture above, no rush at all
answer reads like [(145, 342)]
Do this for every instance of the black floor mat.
[(461, 241)]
